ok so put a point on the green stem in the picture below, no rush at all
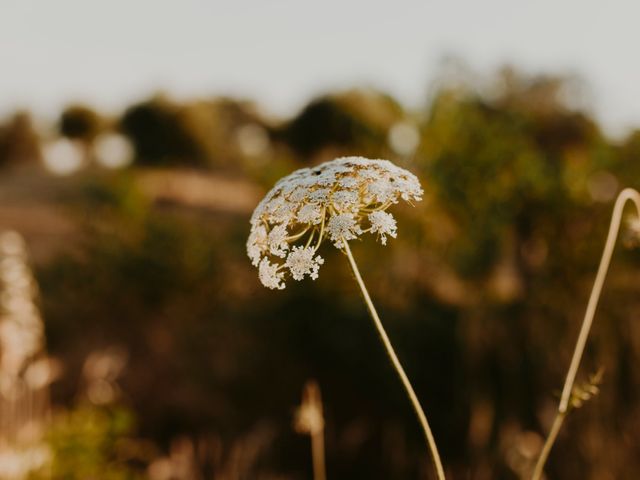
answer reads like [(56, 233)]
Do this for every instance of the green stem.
[(628, 194), (398, 367)]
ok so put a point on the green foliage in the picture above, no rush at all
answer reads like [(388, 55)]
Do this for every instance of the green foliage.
[(497, 165), (90, 442)]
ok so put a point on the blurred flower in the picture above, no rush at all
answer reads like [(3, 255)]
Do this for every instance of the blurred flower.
[(25, 371), (339, 200), (252, 139), (101, 370), (113, 150), (21, 328), (63, 156), (18, 464), (309, 418), (42, 372), (404, 138)]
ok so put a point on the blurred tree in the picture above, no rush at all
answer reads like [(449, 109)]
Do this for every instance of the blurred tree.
[(202, 133), (80, 122), (356, 121), (163, 134), (19, 142), (502, 162)]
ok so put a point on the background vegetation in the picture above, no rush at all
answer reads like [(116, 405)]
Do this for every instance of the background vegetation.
[(482, 292)]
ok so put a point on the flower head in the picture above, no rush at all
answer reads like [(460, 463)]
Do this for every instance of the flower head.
[(339, 200), (301, 262), (269, 274), (383, 224)]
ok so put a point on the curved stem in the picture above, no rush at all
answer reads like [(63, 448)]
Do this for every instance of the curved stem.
[(628, 194), (398, 367), (551, 438), (296, 236)]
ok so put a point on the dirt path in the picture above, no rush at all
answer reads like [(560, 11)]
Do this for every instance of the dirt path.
[(36, 204)]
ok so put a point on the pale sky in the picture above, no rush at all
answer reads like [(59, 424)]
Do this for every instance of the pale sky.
[(282, 52)]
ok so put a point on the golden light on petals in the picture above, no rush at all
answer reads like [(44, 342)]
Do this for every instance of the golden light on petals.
[(337, 200)]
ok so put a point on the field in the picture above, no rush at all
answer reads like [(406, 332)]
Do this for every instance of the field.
[(165, 358)]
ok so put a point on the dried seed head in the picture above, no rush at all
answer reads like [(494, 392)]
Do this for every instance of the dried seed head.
[(339, 200), (309, 419), (580, 394)]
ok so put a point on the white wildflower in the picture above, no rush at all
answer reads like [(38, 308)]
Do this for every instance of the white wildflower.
[(383, 224), (320, 195), (299, 194), (349, 182), (269, 275), (280, 210), (257, 244), (301, 262), (278, 245), (326, 177), (310, 213), (346, 200), (381, 191), (343, 227), (370, 174), (337, 200)]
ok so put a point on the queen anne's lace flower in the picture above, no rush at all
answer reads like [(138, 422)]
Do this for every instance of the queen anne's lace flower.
[(270, 274), (310, 213), (346, 200), (301, 262), (339, 200), (257, 244), (278, 244), (343, 227), (383, 224)]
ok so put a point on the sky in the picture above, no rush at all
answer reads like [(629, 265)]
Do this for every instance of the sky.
[(283, 52)]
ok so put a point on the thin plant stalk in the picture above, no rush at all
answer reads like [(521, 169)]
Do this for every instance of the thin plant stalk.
[(313, 401), (437, 463), (309, 420), (626, 195), (317, 452)]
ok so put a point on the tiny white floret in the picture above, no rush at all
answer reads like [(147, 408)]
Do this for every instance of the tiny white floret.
[(278, 245), (383, 224), (301, 262), (269, 275), (343, 227)]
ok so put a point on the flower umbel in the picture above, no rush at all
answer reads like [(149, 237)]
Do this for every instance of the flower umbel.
[(300, 262), (269, 274), (339, 200), (383, 224)]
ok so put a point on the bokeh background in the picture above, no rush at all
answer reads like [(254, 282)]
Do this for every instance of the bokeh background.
[(135, 141)]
